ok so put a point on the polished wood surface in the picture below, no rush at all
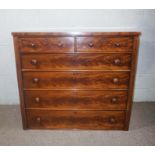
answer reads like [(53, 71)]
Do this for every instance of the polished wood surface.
[(20, 84), (76, 80), (86, 61), (46, 119), (132, 82), (73, 34), (98, 44), (77, 100), (52, 44)]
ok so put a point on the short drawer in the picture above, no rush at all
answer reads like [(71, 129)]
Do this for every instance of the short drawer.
[(76, 80), (104, 44), (47, 44), (85, 61), (47, 119), (77, 100)]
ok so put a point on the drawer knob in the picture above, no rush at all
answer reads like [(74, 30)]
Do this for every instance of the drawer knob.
[(60, 44), (90, 44), (34, 62), (114, 100), (117, 61), (35, 80), (38, 119), (112, 120), (117, 44), (115, 80), (37, 99), (33, 45)]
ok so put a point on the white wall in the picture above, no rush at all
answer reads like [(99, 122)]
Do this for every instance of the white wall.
[(78, 20)]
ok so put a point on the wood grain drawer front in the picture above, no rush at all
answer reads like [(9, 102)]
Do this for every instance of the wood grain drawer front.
[(76, 80), (46, 119), (82, 80), (52, 44), (100, 44), (79, 100), (86, 61)]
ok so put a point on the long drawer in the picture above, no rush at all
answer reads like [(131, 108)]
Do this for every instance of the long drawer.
[(76, 80), (59, 119), (85, 61), (77, 100)]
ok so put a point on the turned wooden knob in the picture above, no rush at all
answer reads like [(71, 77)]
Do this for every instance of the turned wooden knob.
[(60, 44), (34, 62), (115, 80), (112, 120), (90, 44), (35, 80), (117, 44), (33, 45), (117, 61), (114, 100), (37, 99), (38, 119)]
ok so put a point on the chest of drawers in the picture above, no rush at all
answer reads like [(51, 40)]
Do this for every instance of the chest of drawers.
[(76, 80)]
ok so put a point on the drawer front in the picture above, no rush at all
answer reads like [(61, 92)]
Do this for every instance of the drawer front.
[(46, 119), (85, 61), (76, 100), (52, 44), (100, 44), (76, 80)]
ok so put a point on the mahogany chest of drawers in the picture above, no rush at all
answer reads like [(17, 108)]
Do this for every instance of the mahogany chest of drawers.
[(76, 80)]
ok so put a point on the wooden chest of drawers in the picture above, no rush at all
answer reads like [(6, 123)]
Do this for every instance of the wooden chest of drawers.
[(76, 80)]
